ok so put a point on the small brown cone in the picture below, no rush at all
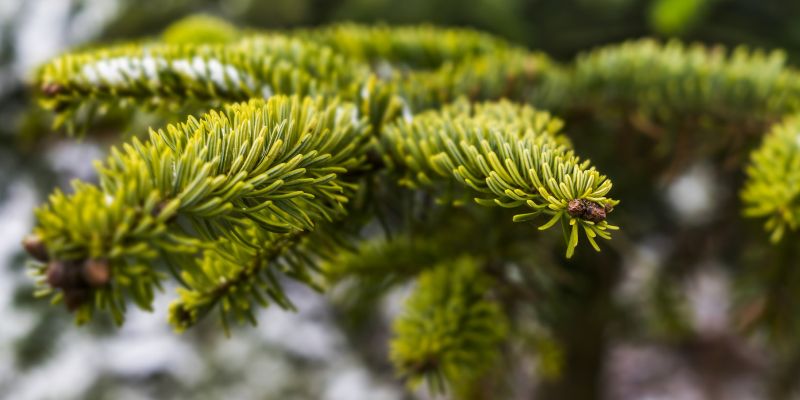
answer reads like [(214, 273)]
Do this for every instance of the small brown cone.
[(51, 89), (96, 272), (35, 247), (594, 212), (576, 208), (57, 274), (64, 275)]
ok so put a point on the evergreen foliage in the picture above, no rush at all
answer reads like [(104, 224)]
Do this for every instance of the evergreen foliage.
[(512, 156), (773, 184), (173, 76), (294, 145), (450, 329), (237, 186), (675, 81), (200, 29)]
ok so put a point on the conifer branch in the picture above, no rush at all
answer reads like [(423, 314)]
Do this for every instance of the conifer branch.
[(228, 202), (200, 29), (512, 156), (164, 75), (233, 278), (419, 67), (215, 185), (450, 330), (407, 47), (772, 189), (673, 80), (509, 74)]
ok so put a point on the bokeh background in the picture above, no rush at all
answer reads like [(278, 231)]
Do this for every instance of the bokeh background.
[(308, 354)]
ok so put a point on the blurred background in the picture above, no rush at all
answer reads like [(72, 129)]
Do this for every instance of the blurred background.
[(308, 354)]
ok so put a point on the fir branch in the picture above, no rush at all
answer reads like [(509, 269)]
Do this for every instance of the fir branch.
[(234, 277), (772, 189), (168, 76), (269, 166), (417, 67), (513, 156), (506, 73), (672, 80), (200, 28), (450, 329), (407, 47)]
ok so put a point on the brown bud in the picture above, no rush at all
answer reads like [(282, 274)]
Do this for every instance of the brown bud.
[(56, 274), (575, 208), (35, 247), (51, 89), (587, 210), (96, 272), (594, 212), (75, 297), (64, 274)]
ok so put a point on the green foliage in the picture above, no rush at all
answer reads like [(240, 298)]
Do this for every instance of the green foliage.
[(428, 67), (235, 279), (671, 82), (385, 259), (232, 185), (183, 75), (408, 47), (174, 76), (675, 17), (512, 156), (773, 179), (200, 29), (232, 202), (450, 330), (264, 187), (504, 74)]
